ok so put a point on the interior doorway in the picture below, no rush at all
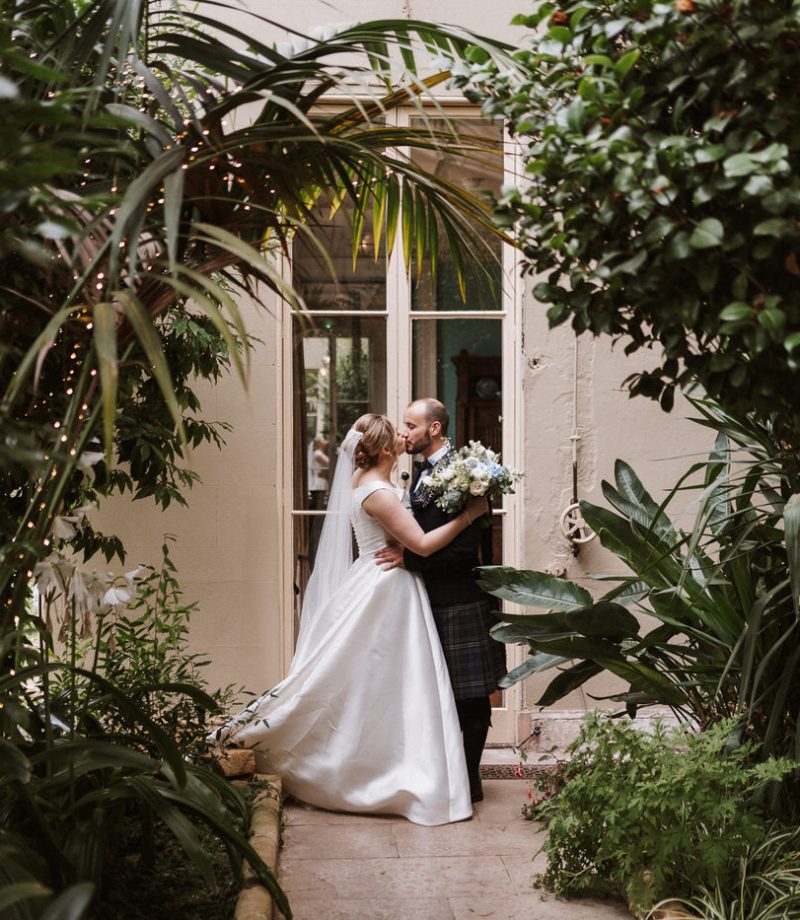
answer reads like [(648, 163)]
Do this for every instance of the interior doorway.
[(376, 337)]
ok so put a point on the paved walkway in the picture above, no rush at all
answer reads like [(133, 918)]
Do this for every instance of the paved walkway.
[(348, 867)]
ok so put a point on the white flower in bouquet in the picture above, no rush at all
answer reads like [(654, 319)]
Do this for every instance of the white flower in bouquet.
[(474, 470)]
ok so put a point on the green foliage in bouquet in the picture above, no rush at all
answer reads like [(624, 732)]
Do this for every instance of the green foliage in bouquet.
[(652, 814)]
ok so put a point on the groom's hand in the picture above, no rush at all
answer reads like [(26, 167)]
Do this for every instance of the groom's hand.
[(390, 557)]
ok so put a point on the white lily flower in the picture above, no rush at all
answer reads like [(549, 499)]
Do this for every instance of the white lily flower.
[(116, 595), (63, 528), (78, 591), (48, 578), (88, 459)]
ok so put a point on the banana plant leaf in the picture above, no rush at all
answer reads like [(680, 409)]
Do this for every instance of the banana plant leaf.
[(532, 589)]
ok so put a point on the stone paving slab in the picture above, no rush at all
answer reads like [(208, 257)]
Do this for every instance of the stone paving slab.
[(360, 867)]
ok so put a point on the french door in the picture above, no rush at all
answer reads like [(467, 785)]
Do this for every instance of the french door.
[(374, 337)]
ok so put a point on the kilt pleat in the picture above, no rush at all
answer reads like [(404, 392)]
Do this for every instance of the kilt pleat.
[(476, 662)]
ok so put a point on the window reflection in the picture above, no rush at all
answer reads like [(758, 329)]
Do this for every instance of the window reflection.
[(339, 369), (481, 170), (322, 263)]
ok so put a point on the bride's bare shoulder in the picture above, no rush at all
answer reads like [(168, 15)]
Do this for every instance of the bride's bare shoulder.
[(363, 478)]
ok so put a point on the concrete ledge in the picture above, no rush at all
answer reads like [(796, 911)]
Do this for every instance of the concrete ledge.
[(545, 734), (255, 902)]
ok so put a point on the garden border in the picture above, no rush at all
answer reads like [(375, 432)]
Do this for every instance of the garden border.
[(255, 901)]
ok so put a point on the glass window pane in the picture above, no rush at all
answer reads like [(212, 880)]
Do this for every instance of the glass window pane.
[(339, 373), (459, 361), (322, 263), (480, 170)]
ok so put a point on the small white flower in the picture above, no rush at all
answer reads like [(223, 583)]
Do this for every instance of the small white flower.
[(88, 459), (116, 595), (63, 528)]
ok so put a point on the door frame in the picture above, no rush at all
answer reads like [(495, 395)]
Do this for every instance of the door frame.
[(399, 321)]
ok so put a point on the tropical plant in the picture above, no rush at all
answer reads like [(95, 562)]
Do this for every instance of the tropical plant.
[(649, 813), (725, 593), (661, 189), (157, 162), (763, 884), (150, 188), (139, 644)]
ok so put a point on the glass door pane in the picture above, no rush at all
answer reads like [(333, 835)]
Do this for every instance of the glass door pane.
[(460, 362), (339, 369)]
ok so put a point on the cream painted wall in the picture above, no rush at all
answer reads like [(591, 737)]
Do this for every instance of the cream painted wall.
[(228, 547), (611, 425), (227, 550)]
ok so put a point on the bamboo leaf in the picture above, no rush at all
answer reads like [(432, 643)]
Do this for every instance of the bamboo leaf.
[(38, 349), (791, 524), (248, 256), (407, 217), (433, 243), (136, 198), (360, 213), (21, 891), (173, 204), (71, 904), (392, 211), (141, 120), (105, 345), (151, 344), (420, 230)]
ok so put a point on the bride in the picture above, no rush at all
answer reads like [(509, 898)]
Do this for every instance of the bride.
[(365, 720)]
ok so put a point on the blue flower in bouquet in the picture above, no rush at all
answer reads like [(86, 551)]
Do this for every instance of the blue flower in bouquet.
[(473, 470)]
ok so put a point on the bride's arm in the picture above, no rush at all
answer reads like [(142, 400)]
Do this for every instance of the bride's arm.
[(396, 520)]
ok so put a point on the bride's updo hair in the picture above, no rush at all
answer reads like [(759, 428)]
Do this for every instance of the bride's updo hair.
[(376, 433)]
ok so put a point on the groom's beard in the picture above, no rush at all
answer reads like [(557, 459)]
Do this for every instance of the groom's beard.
[(419, 448)]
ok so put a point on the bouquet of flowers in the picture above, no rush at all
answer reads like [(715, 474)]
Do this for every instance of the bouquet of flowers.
[(474, 470)]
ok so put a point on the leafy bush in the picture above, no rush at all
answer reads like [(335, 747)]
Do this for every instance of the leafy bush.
[(650, 814), (725, 592), (763, 884), (133, 212), (661, 193), (143, 652)]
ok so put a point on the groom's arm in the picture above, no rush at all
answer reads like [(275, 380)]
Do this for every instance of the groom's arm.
[(462, 550)]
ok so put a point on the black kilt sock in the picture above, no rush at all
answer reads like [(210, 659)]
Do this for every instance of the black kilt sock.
[(475, 717)]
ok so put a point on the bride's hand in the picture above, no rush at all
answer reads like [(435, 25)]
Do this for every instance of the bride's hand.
[(476, 507)]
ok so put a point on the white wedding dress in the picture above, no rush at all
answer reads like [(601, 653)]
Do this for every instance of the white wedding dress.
[(365, 721)]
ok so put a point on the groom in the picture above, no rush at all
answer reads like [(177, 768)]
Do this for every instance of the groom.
[(463, 613)]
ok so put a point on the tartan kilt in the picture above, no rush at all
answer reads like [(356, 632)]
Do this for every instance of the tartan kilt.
[(475, 661)]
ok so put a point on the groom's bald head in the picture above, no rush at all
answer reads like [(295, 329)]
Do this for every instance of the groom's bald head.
[(433, 411), (425, 424)]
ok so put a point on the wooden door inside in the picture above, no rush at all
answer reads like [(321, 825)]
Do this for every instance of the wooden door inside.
[(479, 406)]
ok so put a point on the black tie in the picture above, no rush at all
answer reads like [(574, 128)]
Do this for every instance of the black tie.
[(420, 466)]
